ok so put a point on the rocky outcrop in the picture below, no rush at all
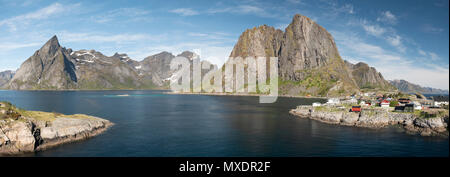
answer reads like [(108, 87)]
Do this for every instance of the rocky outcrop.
[(49, 67), (367, 77), (407, 87), (377, 119), (309, 62), (30, 132)]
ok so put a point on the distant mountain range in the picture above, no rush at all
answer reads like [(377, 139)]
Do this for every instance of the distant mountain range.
[(309, 64), (407, 87), (55, 67), (5, 77)]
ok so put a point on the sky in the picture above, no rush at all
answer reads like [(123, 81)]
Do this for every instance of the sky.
[(402, 39)]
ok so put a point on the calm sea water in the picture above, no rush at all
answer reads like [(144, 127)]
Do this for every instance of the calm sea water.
[(150, 123)]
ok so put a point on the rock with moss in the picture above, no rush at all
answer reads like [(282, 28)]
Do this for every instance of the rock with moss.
[(24, 131)]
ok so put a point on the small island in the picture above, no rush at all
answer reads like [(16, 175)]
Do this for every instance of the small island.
[(23, 131), (415, 113)]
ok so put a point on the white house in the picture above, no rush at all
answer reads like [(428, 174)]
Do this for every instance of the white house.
[(417, 105), (315, 104), (440, 103), (333, 101)]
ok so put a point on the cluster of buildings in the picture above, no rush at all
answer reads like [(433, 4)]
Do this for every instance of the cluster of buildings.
[(393, 101)]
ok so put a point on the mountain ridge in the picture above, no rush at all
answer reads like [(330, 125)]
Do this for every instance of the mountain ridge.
[(408, 87), (309, 64), (54, 67)]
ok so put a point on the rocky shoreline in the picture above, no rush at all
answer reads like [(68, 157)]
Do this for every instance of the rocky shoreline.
[(377, 118), (31, 131)]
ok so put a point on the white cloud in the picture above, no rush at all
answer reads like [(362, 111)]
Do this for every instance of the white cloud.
[(131, 14), (224, 37), (421, 52), (426, 56), (387, 17), (388, 34), (44, 13), (396, 41), (431, 29), (373, 29), (244, 9), (116, 38), (185, 11), (12, 46), (335, 9), (295, 1), (434, 56), (436, 77)]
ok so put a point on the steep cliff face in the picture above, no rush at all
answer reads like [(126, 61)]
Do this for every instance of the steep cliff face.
[(367, 77), (5, 77), (49, 67), (258, 42), (309, 62), (305, 45), (407, 87)]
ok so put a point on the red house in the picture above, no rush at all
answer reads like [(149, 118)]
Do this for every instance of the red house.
[(385, 103), (356, 109)]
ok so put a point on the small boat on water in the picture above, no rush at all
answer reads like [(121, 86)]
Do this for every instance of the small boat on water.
[(124, 95)]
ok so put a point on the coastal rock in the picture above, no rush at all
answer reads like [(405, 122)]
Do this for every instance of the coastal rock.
[(17, 136), (330, 117), (69, 129), (349, 118), (28, 134), (376, 118)]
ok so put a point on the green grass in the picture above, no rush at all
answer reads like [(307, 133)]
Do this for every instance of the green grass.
[(37, 115)]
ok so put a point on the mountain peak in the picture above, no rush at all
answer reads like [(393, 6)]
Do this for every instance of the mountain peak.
[(51, 46), (299, 17), (53, 41)]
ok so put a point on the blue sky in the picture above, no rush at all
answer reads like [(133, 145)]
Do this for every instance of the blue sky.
[(402, 39)]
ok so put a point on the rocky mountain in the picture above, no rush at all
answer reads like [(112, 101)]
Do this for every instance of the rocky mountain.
[(55, 67), (407, 87), (49, 67), (5, 77), (367, 77), (309, 61)]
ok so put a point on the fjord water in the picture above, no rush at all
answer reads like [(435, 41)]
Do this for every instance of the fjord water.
[(151, 123)]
